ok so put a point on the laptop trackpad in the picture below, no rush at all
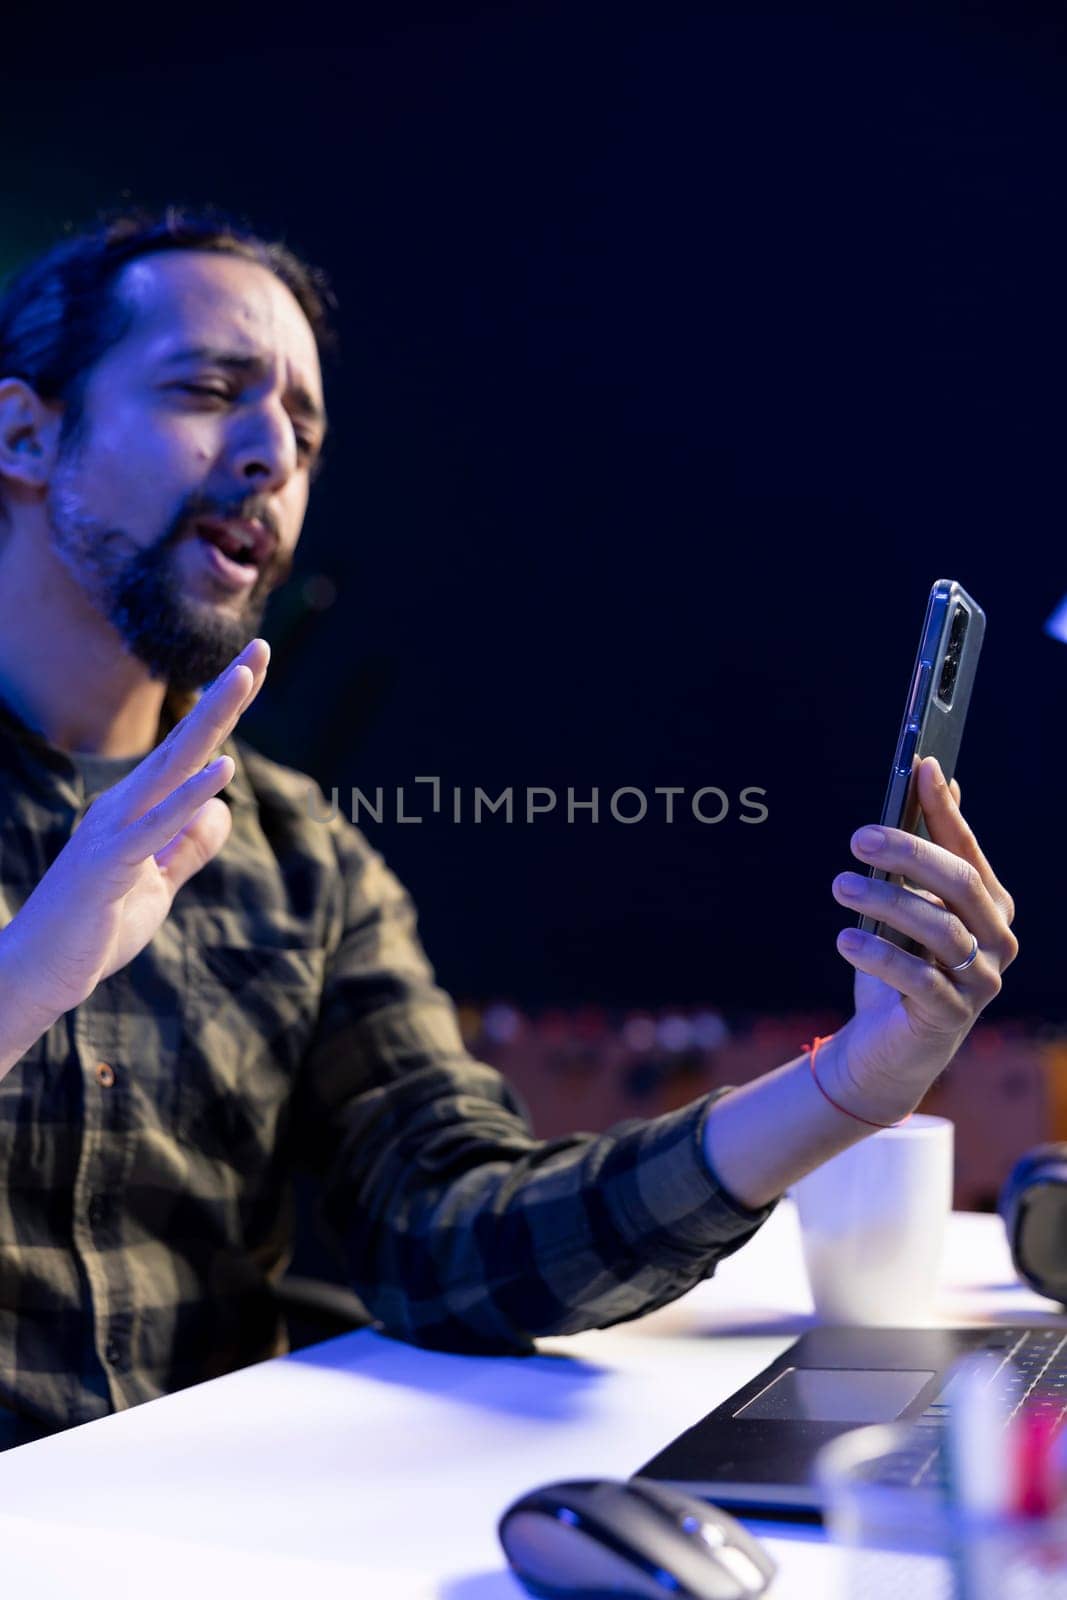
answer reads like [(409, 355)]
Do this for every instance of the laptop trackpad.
[(820, 1394)]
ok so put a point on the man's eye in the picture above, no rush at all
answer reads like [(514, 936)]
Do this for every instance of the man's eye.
[(304, 443)]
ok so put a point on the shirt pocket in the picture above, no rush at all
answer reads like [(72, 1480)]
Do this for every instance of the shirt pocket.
[(250, 1010)]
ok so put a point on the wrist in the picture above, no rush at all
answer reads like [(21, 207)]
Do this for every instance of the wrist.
[(21, 1021), (880, 1103)]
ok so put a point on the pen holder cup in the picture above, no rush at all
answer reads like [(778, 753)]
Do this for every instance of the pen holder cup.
[(897, 1539)]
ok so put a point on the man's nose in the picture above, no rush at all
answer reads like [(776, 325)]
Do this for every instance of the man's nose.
[(266, 450)]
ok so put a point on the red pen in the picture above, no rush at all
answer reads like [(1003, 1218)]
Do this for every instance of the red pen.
[(1058, 1467), (1036, 1490)]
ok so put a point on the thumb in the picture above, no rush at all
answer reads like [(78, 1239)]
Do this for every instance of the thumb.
[(193, 847)]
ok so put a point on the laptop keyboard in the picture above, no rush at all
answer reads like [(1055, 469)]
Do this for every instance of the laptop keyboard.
[(1034, 1371)]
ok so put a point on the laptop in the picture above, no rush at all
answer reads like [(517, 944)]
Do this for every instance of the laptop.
[(756, 1451)]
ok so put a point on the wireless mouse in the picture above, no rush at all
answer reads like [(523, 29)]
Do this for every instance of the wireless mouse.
[(596, 1538)]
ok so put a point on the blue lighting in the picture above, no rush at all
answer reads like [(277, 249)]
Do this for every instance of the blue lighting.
[(1057, 623)]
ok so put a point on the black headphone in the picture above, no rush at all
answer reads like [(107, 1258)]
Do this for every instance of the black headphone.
[(1033, 1205)]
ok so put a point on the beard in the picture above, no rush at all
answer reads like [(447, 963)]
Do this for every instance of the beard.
[(139, 588)]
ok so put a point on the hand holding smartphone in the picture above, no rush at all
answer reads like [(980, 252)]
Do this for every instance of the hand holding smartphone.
[(934, 715)]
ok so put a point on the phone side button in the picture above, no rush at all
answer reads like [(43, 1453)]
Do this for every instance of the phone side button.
[(918, 693), (907, 749)]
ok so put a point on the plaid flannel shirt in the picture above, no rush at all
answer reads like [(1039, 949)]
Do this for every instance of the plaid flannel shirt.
[(284, 1018)]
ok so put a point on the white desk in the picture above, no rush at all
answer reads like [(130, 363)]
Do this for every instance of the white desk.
[(363, 1467)]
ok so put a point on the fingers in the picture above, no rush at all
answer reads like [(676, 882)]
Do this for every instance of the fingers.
[(193, 740), (255, 656), (934, 899), (947, 826), (223, 703), (944, 1005), (921, 917), (950, 866), (151, 833), (202, 838)]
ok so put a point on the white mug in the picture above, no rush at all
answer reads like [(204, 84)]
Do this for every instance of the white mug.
[(873, 1221)]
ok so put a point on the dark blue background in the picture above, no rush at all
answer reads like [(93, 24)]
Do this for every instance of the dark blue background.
[(683, 348)]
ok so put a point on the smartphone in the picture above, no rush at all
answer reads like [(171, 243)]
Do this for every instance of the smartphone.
[(934, 714)]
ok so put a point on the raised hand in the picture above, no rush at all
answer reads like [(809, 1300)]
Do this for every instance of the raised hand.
[(113, 883), (914, 1011)]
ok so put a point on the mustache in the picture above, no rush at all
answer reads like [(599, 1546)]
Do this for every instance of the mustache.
[(244, 510)]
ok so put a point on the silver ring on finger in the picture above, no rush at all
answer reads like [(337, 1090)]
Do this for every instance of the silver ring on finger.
[(968, 960)]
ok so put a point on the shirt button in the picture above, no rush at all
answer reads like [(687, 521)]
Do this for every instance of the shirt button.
[(115, 1355), (105, 1076), (97, 1209)]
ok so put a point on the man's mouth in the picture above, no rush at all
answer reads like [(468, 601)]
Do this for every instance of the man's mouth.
[(246, 543), (234, 551)]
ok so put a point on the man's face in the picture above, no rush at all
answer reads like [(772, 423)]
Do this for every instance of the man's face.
[(155, 456)]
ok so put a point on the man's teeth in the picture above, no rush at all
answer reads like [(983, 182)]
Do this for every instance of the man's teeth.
[(235, 543)]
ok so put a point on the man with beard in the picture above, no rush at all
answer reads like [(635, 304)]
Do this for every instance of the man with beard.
[(205, 989)]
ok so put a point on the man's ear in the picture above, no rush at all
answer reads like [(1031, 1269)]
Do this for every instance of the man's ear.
[(29, 433)]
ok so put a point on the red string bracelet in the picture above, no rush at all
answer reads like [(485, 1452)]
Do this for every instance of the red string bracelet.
[(813, 1048)]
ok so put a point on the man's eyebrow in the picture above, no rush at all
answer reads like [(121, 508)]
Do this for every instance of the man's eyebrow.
[(246, 365)]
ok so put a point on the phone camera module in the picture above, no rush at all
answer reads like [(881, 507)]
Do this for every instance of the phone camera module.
[(951, 665)]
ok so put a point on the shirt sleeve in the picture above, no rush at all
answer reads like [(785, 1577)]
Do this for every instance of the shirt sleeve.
[(460, 1229)]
